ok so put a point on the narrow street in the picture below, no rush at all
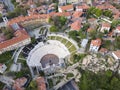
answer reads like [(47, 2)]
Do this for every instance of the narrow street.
[(9, 4)]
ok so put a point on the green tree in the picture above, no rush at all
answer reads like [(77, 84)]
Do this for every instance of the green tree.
[(98, 12), (73, 35), (99, 81), (117, 42), (107, 13), (115, 23), (53, 29), (63, 20)]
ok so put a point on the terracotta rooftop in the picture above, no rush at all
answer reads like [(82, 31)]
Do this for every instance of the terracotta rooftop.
[(62, 14), (96, 42), (106, 25), (103, 50), (90, 29), (20, 36), (118, 27), (26, 18), (41, 83), (117, 53), (92, 19), (19, 83), (105, 6), (76, 25), (83, 6), (77, 14), (67, 7)]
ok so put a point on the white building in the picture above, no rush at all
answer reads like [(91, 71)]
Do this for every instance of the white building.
[(3, 67), (116, 54), (67, 8), (117, 30), (21, 38), (47, 57), (95, 45), (84, 43), (105, 27), (64, 2)]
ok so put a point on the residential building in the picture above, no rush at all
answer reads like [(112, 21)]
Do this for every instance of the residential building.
[(19, 83), (93, 21), (3, 67), (64, 2), (76, 25), (105, 27), (95, 45), (41, 83), (29, 20), (65, 14), (21, 38), (84, 43), (82, 7), (103, 51), (117, 30), (67, 8), (77, 14), (116, 54)]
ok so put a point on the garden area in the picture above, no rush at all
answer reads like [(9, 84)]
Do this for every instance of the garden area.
[(67, 43), (106, 80)]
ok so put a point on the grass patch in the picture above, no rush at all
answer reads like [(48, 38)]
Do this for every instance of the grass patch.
[(64, 41), (68, 44), (5, 57), (58, 38), (72, 48), (69, 75)]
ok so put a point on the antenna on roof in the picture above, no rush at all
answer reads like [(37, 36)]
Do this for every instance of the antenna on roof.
[(5, 19)]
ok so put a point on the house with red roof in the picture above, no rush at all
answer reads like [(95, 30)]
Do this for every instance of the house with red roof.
[(77, 14), (65, 14), (76, 25), (105, 27), (41, 83), (67, 8), (20, 38), (95, 45), (82, 7), (117, 30), (116, 54), (103, 51), (19, 83)]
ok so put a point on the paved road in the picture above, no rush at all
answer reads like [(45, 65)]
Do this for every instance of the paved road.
[(9, 4), (6, 80), (2, 24)]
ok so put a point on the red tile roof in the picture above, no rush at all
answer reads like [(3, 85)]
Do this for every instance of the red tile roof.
[(103, 50), (27, 18), (77, 14), (96, 42), (41, 83), (118, 27), (105, 25), (76, 25), (83, 6), (90, 29), (19, 83), (92, 19), (20, 36), (67, 7), (117, 53), (62, 14)]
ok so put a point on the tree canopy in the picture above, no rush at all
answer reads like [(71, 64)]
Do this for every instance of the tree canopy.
[(100, 81)]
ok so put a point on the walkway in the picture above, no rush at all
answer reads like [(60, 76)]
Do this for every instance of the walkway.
[(6, 80)]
